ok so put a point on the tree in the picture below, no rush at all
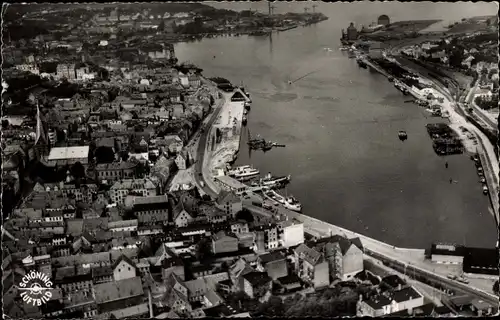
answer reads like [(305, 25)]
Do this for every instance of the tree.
[(161, 26), (61, 135), (496, 287), (78, 170), (104, 154), (246, 215), (5, 124), (140, 170), (491, 73)]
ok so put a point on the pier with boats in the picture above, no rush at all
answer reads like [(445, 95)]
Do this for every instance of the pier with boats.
[(261, 144), (267, 185)]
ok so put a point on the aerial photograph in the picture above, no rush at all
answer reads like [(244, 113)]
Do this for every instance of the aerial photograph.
[(167, 160)]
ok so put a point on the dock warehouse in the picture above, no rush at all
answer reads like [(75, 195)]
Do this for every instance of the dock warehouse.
[(482, 261), (231, 184), (68, 155), (447, 253)]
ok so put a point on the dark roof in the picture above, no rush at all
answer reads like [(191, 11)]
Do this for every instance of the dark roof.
[(343, 242), (271, 257), (377, 302), (219, 311), (257, 278), (292, 278), (447, 250), (126, 259), (201, 268), (393, 281), (151, 206), (237, 96), (427, 310), (75, 278), (481, 260), (406, 294)]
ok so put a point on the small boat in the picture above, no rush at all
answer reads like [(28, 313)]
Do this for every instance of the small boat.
[(256, 141), (245, 112), (247, 105), (289, 202), (293, 204), (402, 135), (244, 121), (483, 180)]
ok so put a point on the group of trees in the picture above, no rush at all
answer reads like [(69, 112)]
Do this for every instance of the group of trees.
[(332, 302), (486, 103)]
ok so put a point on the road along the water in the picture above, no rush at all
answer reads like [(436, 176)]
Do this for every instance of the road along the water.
[(340, 126)]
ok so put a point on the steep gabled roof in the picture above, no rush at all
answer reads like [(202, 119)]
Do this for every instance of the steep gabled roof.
[(123, 258)]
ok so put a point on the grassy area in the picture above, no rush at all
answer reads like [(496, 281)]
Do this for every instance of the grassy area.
[(468, 26)]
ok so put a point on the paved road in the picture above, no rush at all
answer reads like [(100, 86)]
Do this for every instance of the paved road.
[(200, 152), (445, 282)]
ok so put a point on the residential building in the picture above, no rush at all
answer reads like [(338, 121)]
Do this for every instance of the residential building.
[(151, 210), (124, 268), (66, 71), (229, 202), (182, 218), (122, 188), (290, 233), (114, 295), (274, 264), (256, 284), (182, 160), (344, 256), (115, 171), (239, 227), (222, 242), (311, 266), (389, 302), (123, 225)]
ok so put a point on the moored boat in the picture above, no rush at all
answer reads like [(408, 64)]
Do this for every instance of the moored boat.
[(270, 180), (246, 173), (288, 202), (244, 120), (293, 204), (402, 135)]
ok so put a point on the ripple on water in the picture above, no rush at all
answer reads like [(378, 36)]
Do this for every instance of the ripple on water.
[(327, 99), (283, 97)]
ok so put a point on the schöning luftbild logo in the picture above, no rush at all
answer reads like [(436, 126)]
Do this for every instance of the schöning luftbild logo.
[(35, 287)]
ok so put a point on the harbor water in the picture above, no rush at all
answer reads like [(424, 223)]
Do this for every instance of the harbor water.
[(340, 126)]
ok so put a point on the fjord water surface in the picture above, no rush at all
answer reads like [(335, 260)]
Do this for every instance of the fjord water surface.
[(340, 126)]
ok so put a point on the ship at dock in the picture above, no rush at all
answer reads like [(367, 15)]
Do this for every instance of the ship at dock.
[(288, 202), (243, 172), (272, 182), (361, 63)]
